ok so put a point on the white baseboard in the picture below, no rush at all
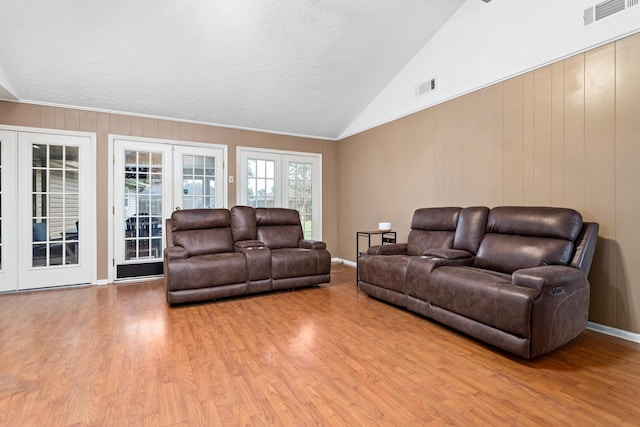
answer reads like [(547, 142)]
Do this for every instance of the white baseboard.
[(101, 282), (344, 262), (618, 333)]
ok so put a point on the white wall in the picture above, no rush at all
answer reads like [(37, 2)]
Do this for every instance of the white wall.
[(6, 88), (484, 43)]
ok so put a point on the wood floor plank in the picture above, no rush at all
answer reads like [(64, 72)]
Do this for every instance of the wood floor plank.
[(329, 355)]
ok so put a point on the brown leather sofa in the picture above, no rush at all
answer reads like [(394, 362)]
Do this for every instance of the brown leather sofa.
[(219, 253), (514, 277)]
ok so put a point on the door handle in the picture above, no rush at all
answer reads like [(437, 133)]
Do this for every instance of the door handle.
[(177, 208)]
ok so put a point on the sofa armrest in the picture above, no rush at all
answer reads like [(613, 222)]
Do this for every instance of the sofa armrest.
[(445, 253), (175, 252), (554, 277), (312, 244), (247, 244), (390, 249)]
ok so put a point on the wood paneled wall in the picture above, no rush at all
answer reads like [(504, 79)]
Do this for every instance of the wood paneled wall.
[(567, 134), (103, 124)]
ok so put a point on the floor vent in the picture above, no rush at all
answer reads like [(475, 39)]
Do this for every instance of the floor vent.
[(606, 9)]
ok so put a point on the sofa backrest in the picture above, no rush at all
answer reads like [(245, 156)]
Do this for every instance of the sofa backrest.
[(243, 223), (585, 247), (470, 230), (278, 227), (202, 231), (520, 237), (432, 228)]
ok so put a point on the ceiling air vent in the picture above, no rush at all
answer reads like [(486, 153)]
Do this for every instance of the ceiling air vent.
[(605, 9)]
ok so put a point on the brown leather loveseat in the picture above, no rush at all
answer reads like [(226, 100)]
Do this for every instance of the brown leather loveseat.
[(219, 253), (514, 277)]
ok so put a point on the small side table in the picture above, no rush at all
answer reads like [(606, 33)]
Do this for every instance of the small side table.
[(386, 237)]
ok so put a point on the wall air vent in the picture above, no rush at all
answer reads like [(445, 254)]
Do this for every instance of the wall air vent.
[(606, 9), (425, 87)]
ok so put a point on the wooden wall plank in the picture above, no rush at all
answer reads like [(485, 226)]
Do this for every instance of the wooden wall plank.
[(528, 142), (557, 134), (498, 146), (514, 140), (150, 127), (485, 143), (87, 121), (165, 129), (627, 195), (443, 150), (71, 119), (599, 176), (60, 113), (469, 156), (10, 112), (48, 117), (455, 160), (429, 141), (137, 128), (542, 138), (574, 133)]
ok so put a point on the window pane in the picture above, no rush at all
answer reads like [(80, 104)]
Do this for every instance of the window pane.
[(271, 169), (71, 182), (156, 159), (71, 158), (143, 158), (261, 168), (198, 166), (187, 165)]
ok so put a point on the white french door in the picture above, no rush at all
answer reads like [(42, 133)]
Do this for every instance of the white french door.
[(273, 178), (46, 210), (151, 179)]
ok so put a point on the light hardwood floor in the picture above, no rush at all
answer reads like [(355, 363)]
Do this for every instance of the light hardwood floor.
[(118, 355)]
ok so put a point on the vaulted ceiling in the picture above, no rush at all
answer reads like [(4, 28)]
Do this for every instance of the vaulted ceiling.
[(305, 67)]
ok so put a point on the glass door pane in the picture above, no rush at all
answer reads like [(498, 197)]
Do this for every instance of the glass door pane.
[(300, 193), (143, 205), (261, 183), (55, 205), (200, 180)]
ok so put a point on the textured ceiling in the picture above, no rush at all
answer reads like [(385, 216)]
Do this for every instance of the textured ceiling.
[(306, 67)]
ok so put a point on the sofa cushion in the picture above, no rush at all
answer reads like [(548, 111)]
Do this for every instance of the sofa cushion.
[(296, 262), (432, 228), (557, 223), (385, 271), (523, 237), (207, 241), (202, 231), (243, 223), (198, 219), (209, 270), (485, 296), (470, 229), (279, 227), (506, 253), (446, 253)]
